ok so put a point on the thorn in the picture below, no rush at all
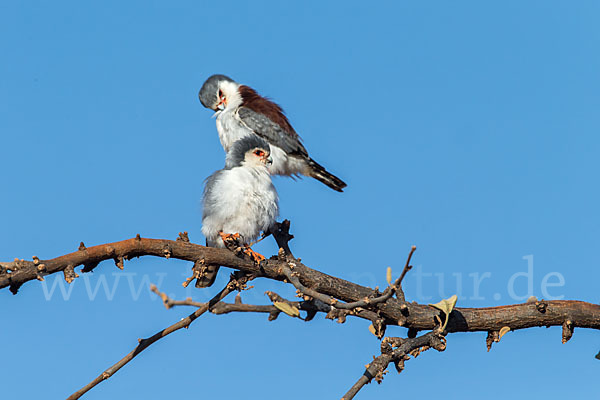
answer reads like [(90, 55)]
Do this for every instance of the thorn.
[(281, 254), (183, 237), (119, 263), (69, 273), (36, 260), (492, 337), (541, 306), (14, 287), (567, 331), (87, 267), (138, 237), (39, 278), (273, 315), (399, 365), (82, 247)]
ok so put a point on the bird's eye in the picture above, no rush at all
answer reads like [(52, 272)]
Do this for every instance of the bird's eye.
[(259, 153)]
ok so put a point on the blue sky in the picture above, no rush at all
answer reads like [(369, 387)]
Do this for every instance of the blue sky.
[(468, 129)]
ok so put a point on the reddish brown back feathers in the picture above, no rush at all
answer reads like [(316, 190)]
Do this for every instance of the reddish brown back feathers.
[(259, 104)]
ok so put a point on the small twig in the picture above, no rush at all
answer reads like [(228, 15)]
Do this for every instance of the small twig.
[(397, 286), (145, 343), (219, 308), (281, 233), (287, 271), (366, 302), (377, 368), (311, 306), (262, 237)]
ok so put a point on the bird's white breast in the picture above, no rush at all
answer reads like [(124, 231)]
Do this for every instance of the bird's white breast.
[(230, 128), (241, 200)]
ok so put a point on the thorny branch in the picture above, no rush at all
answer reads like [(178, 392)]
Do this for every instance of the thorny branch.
[(312, 307), (234, 283), (320, 292), (367, 301), (403, 347), (415, 316), (356, 307)]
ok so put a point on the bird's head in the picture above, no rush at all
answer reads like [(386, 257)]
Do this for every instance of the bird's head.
[(220, 92), (258, 156), (249, 151)]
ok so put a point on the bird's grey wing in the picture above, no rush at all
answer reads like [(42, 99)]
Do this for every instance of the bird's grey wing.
[(275, 134), (210, 198), (208, 273)]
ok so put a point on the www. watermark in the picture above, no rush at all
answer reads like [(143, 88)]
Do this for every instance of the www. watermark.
[(136, 283), (427, 285)]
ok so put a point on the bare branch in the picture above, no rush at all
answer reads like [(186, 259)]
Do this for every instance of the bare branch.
[(145, 343), (366, 302), (397, 286), (320, 292), (416, 317), (312, 307), (281, 233)]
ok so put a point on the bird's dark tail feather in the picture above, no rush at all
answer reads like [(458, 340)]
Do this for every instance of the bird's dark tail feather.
[(207, 276), (321, 174), (207, 273)]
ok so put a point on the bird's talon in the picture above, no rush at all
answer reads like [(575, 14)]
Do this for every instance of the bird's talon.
[(257, 257), (229, 237)]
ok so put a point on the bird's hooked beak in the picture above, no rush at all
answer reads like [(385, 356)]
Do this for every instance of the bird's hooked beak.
[(220, 107), (267, 160), (222, 104)]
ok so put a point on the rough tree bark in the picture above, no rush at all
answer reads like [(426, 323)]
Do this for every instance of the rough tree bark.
[(335, 297)]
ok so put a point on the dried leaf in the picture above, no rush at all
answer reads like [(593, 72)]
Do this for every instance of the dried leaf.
[(503, 331), (388, 275), (286, 308), (446, 305)]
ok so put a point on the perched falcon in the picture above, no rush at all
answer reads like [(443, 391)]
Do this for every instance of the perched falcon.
[(239, 201), (241, 111)]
